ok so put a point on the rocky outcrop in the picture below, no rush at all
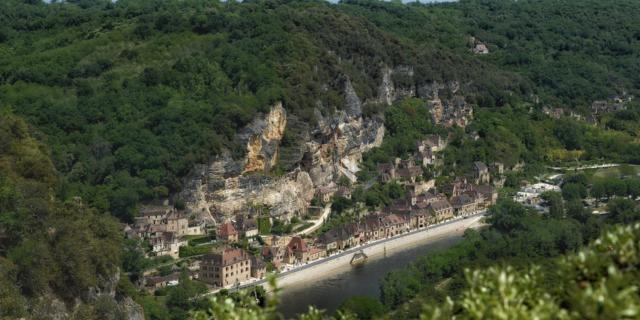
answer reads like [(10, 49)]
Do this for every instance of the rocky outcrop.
[(340, 151), (353, 103), (332, 149), (397, 83), (328, 151), (51, 307), (263, 138), (446, 105)]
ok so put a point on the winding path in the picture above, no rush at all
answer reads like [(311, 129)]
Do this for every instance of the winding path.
[(318, 222)]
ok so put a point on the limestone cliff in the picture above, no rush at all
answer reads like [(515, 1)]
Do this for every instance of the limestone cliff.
[(329, 150), (263, 138), (340, 149)]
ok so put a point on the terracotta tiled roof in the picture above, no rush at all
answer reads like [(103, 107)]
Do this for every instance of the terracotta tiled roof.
[(227, 229), (228, 256), (297, 244)]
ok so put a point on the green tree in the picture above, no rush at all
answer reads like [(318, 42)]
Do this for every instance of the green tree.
[(573, 191), (556, 205), (363, 307), (623, 210)]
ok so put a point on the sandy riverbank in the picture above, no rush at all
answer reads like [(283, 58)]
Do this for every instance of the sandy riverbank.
[(340, 262), (377, 250)]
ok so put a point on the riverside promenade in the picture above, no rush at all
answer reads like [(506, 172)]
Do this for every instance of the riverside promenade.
[(324, 266)]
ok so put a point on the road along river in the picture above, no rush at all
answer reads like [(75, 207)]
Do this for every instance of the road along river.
[(327, 284)]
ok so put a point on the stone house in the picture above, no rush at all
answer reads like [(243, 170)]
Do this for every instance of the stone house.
[(489, 194), (330, 240), (386, 172), (428, 158), (325, 193), (258, 267), (299, 249), (433, 143), (394, 224), (373, 228), (178, 223), (158, 282), (276, 241), (481, 48), (196, 228), (410, 174), (463, 205), (405, 164), (458, 187), (225, 268), (166, 244), (152, 215), (153, 230), (316, 253), (277, 255), (227, 232), (247, 227), (355, 234), (419, 218), (440, 210), (481, 173), (342, 237)]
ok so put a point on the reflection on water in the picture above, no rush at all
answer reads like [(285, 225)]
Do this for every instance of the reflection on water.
[(328, 292)]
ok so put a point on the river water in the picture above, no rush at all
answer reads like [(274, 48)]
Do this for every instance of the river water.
[(329, 291)]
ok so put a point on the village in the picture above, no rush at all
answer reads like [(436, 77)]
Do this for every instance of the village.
[(236, 242), (234, 251)]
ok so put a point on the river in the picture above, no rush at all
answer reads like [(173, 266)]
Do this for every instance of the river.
[(329, 291)]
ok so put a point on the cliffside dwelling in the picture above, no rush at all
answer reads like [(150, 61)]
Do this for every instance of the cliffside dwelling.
[(248, 227), (164, 228), (481, 173), (325, 193), (386, 172), (227, 232)]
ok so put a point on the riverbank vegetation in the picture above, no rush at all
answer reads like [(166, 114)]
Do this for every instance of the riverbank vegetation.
[(566, 287)]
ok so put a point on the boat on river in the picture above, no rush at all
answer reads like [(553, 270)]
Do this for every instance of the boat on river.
[(359, 258)]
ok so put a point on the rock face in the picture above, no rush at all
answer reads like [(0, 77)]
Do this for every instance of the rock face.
[(344, 140), (50, 307), (226, 187), (285, 196), (352, 101), (397, 83), (263, 137), (330, 150), (446, 105)]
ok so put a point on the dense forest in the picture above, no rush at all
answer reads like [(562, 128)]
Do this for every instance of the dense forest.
[(130, 95), (106, 105)]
